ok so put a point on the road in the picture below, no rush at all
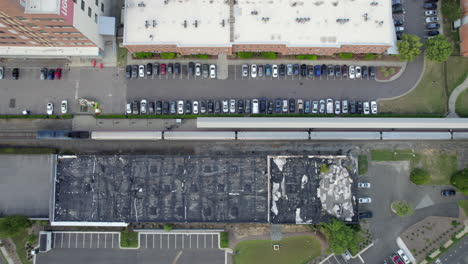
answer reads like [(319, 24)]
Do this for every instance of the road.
[(457, 254)]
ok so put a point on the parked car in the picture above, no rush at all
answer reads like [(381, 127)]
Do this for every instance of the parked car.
[(373, 105), (364, 185), (134, 71), (232, 106), (58, 73), (292, 105), (180, 107), (278, 105), (351, 72), (337, 70), (397, 260), (372, 73), (344, 106), (50, 108), (430, 13), (135, 108), (202, 107), (399, 29), (322, 106), (307, 107), (331, 70), (358, 72), (364, 72), (396, 2), (197, 69), (310, 71), (191, 68), (225, 106), (210, 107), (433, 26), (143, 105), (432, 33), (263, 105), (212, 71), (359, 107), (300, 106), (398, 9), (352, 107), (324, 69), (315, 107), (430, 6), (296, 69), (151, 108), (205, 70), (156, 68), (255, 108), (51, 74), (159, 107), (217, 108), (245, 70), (267, 70), (195, 107), (64, 106), (248, 108), (44, 73), (163, 69), (260, 70), (397, 22), (167, 108), (344, 70), (129, 108), (318, 70), (253, 71), (329, 106), (270, 107), (448, 192), (128, 72), (364, 215), (141, 71), (403, 256), (303, 70), (365, 200), (282, 70), (15, 73), (289, 69), (188, 107), (274, 69), (177, 69), (149, 69), (432, 19), (337, 107), (240, 106), (285, 106), (366, 108), (170, 68)]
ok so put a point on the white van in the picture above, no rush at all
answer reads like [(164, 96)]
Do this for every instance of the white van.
[(255, 106)]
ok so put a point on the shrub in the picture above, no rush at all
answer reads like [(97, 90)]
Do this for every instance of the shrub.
[(306, 57), (224, 243), (324, 168), (341, 236), (203, 56), (346, 55), (168, 227), (143, 55), (245, 55), (13, 225), (460, 180), (167, 55), (363, 164), (268, 55), (419, 176), (369, 56), (402, 208)]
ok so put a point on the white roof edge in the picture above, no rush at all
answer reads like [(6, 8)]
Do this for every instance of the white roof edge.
[(71, 223)]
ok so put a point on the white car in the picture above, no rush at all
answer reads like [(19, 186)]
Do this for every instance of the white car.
[(344, 106), (366, 108), (255, 106), (351, 72), (358, 72), (373, 107), (232, 106), (285, 106), (430, 13), (129, 108), (289, 70), (274, 69), (363, 185), (315, 107), (64, 106), (322, 106), (143, 106), (180, 107), (399, 29), (329, 106), (253, 70), (141, 71), (346, 255), (365, 200), (197, 69), (337, 107), (300, 105), (432, 19), (245, 70), (195, 107), (212, 71), (225, 106), (403, 256), (50, 108)]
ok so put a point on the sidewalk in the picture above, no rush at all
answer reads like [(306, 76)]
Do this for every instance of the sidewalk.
[(453, 98)]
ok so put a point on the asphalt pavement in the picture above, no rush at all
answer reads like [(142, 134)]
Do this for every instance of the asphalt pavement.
[(457, 254)]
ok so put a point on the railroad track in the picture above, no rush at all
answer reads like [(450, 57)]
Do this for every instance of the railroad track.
[(16, 135)]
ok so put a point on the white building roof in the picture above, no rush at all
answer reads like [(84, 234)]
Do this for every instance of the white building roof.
[(42, 6), (301, 23), (48, 51), (182, 22)]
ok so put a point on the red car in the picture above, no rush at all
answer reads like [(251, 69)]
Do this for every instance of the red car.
[(58, 73), (162, 69), (396, 259)]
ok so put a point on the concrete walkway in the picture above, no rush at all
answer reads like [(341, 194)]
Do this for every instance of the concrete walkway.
[(453, 98)]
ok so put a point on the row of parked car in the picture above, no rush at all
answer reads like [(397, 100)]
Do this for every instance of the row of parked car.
[(63, 107), (150, 69), (51, 74), (254, 106), (345, 71), (430, 16), (14, 73)]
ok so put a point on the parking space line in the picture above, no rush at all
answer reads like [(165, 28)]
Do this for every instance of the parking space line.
[(168, 241), (61, 242), (97, 240), (160, 241), (69, 238), (197, 240), (76, 241), (91, 241), (153, 240), (337, 259), (212, 240), (175, 241), (146, 241), (205, 240), (190, 240), (183, 241)]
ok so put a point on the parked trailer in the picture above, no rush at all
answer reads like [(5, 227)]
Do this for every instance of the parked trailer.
[(126, 135), (269, 135), (199, 135), (416, 136), (335, 135)]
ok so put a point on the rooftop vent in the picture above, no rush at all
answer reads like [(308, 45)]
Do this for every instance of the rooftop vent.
[(223, 23), (141, 4), (302, 19), (185, 24), (265, 19), (374, 3), (366, 16), (254, 13), (318, 3), (342, 20), (147, 24), (154, 23), (335, 3), (195, 23)]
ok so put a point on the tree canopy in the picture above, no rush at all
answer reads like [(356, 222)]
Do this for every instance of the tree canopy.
[(438, 48), (409, 47), (460, 180), (14, 224), (341, 236)]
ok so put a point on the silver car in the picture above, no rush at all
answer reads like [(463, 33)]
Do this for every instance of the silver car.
[(337, 107), (180, 107), (322, 106), (232, 106), (289, 70), (245, 70), (225, 106), (315, 107)]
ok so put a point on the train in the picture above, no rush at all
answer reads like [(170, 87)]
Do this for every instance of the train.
[(252, 135)]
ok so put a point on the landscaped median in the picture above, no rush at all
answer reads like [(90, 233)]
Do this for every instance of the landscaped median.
[(129, 239)]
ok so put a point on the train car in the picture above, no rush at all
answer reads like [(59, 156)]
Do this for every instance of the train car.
[(272, 135), (338, 135), (62, 134), (416, 136), (199, 135), (126, 135)]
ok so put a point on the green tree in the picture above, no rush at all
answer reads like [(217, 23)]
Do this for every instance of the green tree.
[(340, 236), (438, 48), (419, 176), (409, 47), (13, 225), (460, 180), (402, 208)]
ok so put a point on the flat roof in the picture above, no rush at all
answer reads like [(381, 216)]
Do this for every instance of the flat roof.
[(313, 23), (291, 22), (25, 184), (42, 6), (185, 23)]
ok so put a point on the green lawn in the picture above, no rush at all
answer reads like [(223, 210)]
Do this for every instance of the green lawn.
[(464, 205), (440, 166), (128, 239), (429, 97), (461, 106), (457, 72), (293, 250), (363, 164), (122, 57), (20, 243)]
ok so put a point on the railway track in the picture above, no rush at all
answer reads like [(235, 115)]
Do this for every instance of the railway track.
[(17, 135)]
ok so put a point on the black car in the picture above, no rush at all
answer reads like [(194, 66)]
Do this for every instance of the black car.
[(430, 6), (399, 35), (398, 9), (15, 73), (188, 107), (292, 105), (44, 73), (191, 68), (359, 107), (398, 23), (173, 109), (364, 72), (151, 108), (296, 69), (158, 109), (363, 215), (270, 107), (352, 107), (278, 105), (135, 107), (217, 109), (170, 68), (433, 33), (310, 70), (303, 70), (166, 108), (156, 68), (372, 73), (184, 69), (210, 109), (263, 105), (337, 70), (448, 192), (247, 105), (240, 106), (149, 69), (324, 69), (177, 68), (128, 72), (282, 70), (433, 26), (202, 107), (51, 74), (134, 71)]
